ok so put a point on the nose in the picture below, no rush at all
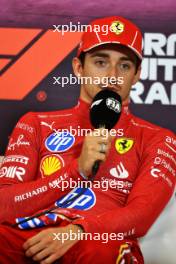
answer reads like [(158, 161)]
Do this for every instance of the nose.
[(113, 75), (113, 71)]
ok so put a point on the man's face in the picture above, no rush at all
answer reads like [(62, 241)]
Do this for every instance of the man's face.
[(116, 63)]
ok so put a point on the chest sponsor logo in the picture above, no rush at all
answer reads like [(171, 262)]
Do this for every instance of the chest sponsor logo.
[(19, 142), (84, 201), (50, 164), (43, 123), (119, 172), (16, 158), (60, 141), (12, 172), (25, 127), (123, 145)]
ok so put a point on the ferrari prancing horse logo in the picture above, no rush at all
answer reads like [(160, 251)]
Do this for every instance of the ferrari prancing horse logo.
[(123, 145)]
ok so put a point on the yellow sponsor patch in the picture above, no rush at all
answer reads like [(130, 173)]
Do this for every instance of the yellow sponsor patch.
[(51, 164), (117, 27), (123, 145)]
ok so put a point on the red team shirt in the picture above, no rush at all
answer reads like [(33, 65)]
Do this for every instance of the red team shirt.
[(140, 172)]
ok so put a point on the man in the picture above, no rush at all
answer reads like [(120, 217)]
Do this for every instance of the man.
[(139, 160)]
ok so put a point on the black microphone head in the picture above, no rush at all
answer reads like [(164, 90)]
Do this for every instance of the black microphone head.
[(105, 109)]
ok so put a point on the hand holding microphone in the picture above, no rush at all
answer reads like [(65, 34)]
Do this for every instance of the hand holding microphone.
[(104, 113), (95, 147)]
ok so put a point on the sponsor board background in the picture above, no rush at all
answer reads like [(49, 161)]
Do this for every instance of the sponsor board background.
[(31, 54)]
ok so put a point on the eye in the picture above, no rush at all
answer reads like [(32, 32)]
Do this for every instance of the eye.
[(101, 63), (125, 66)]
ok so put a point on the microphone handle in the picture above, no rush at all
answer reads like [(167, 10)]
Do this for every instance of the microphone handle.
[(96, 165), (95, 168)]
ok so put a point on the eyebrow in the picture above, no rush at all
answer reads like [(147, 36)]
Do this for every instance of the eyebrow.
[(104, 55), (127, 59), (99, 54)]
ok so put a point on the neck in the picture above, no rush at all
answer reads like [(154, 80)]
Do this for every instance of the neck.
[(85, 97)]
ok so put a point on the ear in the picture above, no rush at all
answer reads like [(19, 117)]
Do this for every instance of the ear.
[(137, 75), (77, 67)]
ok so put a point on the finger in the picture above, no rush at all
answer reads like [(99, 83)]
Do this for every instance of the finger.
[(33, 250), (43, 254), (100, 156), (99, 133), (60, 252), (31, 242), (103, 140)]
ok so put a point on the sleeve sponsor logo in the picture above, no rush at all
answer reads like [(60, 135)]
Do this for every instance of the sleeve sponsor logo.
[(51, 164), (159, 161), (12, 145), (123, 145), (156, 173), (28, 195), (84, 201), (171, 140), (119, 172), (167, 155), (12, 172), (58, 182), (171, 143), (16, 158), (25, 127), (59, 142)]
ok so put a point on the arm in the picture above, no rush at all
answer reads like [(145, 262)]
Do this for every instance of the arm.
[(21, 193), (151, 192)]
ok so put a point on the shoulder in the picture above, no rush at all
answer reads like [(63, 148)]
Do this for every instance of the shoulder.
[(148, 128), (34, 118), (150, 134)]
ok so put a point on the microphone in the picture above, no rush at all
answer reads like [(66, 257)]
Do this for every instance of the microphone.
[(105, 112)]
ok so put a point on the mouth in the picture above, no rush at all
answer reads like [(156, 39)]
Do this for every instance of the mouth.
[(115, 89)]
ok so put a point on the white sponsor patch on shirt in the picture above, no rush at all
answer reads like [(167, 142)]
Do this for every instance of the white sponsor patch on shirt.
[(16, 158), (19, 142), (12, 172)]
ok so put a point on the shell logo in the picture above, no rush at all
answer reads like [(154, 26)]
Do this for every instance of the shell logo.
[(51, 164)]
